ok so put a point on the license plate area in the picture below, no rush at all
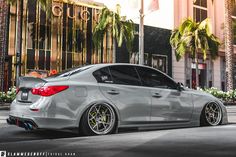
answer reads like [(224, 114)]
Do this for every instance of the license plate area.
[(24, 94)]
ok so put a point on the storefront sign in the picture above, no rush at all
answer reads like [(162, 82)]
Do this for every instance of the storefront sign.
[(201, 66), (84, 14)]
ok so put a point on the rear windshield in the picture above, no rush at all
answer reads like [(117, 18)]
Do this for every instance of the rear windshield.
[(71, 71)]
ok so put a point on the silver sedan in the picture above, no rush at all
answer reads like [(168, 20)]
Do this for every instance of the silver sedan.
[(99, 99)]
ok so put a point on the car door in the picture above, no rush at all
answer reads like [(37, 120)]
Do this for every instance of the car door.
[(122, 86), (168, 103)]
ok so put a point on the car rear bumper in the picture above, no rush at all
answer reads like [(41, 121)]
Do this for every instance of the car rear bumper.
[(21, 113), (28, 124), (41, 123)]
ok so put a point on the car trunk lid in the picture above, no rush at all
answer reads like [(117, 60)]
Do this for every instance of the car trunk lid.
[(25, 85)]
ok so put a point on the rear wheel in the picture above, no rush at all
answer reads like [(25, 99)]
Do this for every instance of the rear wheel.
[(99, 119), (211, 114)]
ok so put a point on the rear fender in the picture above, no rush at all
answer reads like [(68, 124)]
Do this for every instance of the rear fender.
[(100, 102)]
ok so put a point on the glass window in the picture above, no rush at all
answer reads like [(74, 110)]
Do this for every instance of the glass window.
[(234, 11), (223, 73), (103, 75), (202, 3), (234, 30), (200, 10), (126, 75), (31, 25), (41, 59), (30, 59), (160, 62), (154, 78)]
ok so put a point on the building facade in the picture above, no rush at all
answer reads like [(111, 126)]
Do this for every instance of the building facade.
[(56, 41), (169, 16), (212, 72), (63, 39)]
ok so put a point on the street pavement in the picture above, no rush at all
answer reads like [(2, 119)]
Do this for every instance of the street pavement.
[(218, 141)]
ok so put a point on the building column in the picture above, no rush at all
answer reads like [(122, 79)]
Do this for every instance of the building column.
[(178, 71), (217, 73)]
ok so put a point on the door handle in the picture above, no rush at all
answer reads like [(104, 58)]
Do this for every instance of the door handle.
[(156, 95), (113, 92)]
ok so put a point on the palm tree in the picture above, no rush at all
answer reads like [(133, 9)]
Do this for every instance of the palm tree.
[(229, 43), (191, 37), (3, 40), (111, 22)]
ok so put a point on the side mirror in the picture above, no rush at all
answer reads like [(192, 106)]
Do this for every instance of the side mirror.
[(180, 86)]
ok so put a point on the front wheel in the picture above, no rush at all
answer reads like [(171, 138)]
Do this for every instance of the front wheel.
[(211, 114), (99, 119)]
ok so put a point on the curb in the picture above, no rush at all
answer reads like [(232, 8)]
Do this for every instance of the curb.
[(5, 106)]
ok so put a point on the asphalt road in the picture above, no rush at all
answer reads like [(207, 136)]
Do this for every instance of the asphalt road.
[(195, 142)]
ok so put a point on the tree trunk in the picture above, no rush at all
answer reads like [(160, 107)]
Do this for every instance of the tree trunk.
[(228, 44), (3, 40), (196, 64), (114, 50), (19, 39)]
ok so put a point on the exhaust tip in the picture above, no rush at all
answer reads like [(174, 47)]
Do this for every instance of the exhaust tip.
[(30, 127), (26, 126), (9, 121)]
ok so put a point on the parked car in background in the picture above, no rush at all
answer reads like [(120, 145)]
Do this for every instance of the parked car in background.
[(99, 99)]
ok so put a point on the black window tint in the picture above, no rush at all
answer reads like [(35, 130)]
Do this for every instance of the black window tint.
[(153, 78), (126, 75), (103, 75)]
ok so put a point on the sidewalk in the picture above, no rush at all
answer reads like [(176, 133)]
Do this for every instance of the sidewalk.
[(231, 110)]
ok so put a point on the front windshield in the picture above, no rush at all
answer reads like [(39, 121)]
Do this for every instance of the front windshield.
[(71, 71)]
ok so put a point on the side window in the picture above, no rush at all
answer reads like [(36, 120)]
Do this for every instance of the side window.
[(103, 75), (153, 78), (126, 75)]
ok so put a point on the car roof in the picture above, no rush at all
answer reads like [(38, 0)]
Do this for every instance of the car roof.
[(100, 65)]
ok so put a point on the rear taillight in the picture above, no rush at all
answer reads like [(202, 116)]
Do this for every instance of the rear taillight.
[(48, 90), (34, 109), (17, 90)]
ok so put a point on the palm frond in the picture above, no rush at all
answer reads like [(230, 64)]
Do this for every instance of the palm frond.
[(191, 37), (180, 50), (120, 30), (175, 38)]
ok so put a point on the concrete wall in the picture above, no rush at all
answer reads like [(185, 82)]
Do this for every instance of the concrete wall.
[(178, 71), (217, 73)]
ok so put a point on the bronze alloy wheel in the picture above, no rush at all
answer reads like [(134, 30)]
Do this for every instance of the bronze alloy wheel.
[(213, 114), (101, 118)]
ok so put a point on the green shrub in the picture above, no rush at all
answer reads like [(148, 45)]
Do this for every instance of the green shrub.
[(8, 96), (229, 96)]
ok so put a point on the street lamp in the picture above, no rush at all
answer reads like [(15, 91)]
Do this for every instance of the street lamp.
[(141, 34)]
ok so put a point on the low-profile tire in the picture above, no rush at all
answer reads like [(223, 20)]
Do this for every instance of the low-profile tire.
[(99, 119), (211, 115)]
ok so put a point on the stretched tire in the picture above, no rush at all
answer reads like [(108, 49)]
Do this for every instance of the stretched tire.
[(99, 119), (211, 114)]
